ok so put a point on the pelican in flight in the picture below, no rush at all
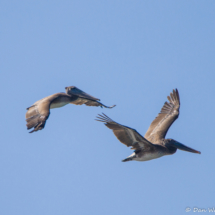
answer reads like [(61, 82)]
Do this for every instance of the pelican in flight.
[(154, 144), (38, 113)]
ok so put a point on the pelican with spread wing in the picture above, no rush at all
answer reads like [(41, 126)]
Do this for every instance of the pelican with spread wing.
[(39, 112), (154, 144)]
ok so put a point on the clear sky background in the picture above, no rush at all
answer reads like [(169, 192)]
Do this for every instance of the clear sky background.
[(128, 53)]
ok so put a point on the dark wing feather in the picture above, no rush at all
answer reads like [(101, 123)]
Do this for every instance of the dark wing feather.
[(169, 113), (126, 135), (89, 102)]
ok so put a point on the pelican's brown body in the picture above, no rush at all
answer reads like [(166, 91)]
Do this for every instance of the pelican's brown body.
[(39, 112), (154, 144)]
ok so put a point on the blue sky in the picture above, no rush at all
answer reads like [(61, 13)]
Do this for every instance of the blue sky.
[(128, 53)]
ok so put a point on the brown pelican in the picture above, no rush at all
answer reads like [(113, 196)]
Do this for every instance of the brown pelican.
[(154, 145), (38, 113)]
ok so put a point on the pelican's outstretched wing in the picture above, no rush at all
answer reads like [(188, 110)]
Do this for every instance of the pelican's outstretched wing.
[(169, 113), (88, 102), (38, 113), (84, 98), (126, 135)]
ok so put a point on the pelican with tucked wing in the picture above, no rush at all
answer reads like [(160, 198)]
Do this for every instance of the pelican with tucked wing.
[(154, 144), (39, 112)]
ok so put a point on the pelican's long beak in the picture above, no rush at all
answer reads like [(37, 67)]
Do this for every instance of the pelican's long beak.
[(184, 148), (80, 93)]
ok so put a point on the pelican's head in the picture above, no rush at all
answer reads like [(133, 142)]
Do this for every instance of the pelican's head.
[(77, 92), (70, 89), (173, 145)]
